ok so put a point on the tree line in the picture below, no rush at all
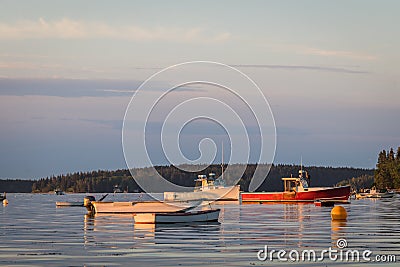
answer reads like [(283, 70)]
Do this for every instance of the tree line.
[(16, 185), (361, 182), (387, 172), (104, 180)]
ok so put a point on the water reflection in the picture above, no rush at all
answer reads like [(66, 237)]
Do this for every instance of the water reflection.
[(99, 229), (88, 226), (40, 234), (338, 231), (144, 232)]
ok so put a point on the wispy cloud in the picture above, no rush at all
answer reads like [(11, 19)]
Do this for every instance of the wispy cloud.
[(301, 67), (67, 28), (49, 70), (27, 65), (160, 88), (113, 124), (82, 87), (339, 53), (19, 56), (66, 87), (118, 91)]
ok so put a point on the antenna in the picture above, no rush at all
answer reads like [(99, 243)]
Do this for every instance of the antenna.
[(222, 161), (301, 166)]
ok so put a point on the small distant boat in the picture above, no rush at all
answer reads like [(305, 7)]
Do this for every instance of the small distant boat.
[(177, 217), (117, 189), (69, 203), (59, 192), (2, 197), (375, 193), (297, 189)]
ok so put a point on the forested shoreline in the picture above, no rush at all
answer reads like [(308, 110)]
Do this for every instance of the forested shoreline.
[(106, 180), (387, 173)]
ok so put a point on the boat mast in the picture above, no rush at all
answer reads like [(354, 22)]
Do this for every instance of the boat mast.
[(301, 166), (222, 161)]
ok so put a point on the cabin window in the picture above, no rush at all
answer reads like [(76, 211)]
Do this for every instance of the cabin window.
[(290, 186)]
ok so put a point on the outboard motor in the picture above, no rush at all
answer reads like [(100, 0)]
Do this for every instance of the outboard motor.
[(87, 202)]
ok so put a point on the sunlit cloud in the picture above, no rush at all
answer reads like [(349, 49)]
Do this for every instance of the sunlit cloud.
[(340, 53), (301, 67), (27, 65), (67, 28), (118, 91)]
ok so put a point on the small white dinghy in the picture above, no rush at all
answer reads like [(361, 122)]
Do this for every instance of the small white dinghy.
[(177, 217)]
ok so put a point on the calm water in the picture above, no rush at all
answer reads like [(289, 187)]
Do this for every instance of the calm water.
[(33, 232)]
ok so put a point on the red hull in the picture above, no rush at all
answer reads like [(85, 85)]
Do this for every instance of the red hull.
[(332, 193)]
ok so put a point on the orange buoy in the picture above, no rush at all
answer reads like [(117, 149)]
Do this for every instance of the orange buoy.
[(339, 213), (5, 202)]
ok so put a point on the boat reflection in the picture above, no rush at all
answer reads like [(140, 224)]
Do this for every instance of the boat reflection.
[(88, 226), (102, 230), (118, 231), (296, 217), (338, 231)]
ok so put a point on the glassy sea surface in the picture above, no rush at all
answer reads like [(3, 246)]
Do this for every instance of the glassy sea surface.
[(34, 232)]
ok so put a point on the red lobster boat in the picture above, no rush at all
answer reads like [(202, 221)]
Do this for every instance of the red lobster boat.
[(297, 190)]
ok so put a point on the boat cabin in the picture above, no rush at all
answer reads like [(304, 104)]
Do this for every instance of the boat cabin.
[(205, 183), (290, 184), (201, 180), (296, 184)]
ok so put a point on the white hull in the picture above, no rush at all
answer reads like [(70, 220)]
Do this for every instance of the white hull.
[(374, 195), (178, 217), (137, 207), (224, 193)]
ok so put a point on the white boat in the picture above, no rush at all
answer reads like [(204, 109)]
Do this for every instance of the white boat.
[(2, 197), (374, 193), (177, 217), (117, 189), (59, 192), (206, 188), (138, 206)]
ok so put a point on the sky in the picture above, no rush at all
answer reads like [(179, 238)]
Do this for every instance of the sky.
[(69, 69)]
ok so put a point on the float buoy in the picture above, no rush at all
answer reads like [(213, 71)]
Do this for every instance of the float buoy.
[(339, 213), (5, 202)]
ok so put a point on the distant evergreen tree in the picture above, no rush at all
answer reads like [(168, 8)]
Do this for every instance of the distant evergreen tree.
[(398, 154), (391, 167), (382, 176), (387, 173), (396, 171)]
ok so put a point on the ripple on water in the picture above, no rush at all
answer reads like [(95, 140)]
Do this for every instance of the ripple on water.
[(34, 232)]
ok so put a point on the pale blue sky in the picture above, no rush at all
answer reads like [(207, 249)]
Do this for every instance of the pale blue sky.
[(329, 70)]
